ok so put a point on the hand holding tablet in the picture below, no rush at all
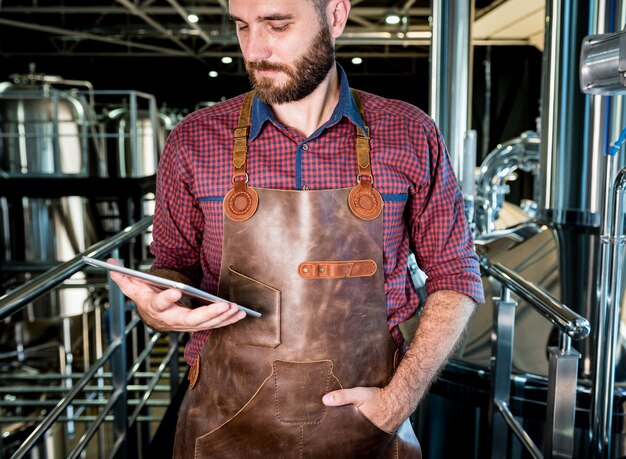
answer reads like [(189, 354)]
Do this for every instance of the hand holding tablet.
[(163, 283)]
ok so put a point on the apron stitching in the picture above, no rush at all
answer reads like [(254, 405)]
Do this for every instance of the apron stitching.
[(300, 423), (236, 414)]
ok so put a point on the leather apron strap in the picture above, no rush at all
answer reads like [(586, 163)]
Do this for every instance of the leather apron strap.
[(242, 200)]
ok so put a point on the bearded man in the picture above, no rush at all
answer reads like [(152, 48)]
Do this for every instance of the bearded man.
[(302, 200)]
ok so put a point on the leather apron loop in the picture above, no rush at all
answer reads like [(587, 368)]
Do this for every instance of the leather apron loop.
[(364, 200), (241, 202)]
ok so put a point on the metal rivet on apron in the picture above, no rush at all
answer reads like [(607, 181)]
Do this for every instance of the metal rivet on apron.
[(305, 270), (322, 269)]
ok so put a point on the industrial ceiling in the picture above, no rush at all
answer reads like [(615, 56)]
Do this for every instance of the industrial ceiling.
[(162, 28)]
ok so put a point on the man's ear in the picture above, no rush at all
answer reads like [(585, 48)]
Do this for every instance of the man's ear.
[(337, 13)]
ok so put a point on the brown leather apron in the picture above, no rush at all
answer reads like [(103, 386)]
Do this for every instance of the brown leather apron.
[(312, 263)]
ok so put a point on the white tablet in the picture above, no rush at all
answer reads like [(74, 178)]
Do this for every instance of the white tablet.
[(163, 283)]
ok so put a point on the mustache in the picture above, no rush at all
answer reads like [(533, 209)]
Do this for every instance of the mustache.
[(268, 66)]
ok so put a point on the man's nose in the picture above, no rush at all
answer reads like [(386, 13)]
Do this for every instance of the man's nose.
[(256, 47)]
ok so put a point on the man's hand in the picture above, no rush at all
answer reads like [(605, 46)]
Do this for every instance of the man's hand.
[(161, 311), (441, 324), (373, 403)]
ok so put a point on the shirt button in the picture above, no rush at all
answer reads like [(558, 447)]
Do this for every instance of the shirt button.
[(305, 147)]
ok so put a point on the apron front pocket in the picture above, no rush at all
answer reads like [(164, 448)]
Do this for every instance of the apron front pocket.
[(254, 331), (286, 418)]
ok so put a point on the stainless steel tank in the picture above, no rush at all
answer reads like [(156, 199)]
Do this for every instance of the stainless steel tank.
[(139, 140), (136, 136), (47, 132)]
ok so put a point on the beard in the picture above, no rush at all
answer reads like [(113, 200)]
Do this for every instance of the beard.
[(304, 75)]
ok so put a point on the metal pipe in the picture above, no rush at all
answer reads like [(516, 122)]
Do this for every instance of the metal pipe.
[(613, 238), (519, 431), (468, 190), (522, 152), (565, 342), (119, 367), (15, 300), (47, 422), (153, 383), (84, 439), (185, 15), (108, 388), (609, 18), (82, 419), (558, 441), (80, 402), (450, 75), (93, 36), (501, 364), (137, 11), (566, 320), (567, 169), (56, 376)]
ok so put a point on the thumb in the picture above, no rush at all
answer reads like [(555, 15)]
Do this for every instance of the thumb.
[(343, 397), (166, 299)]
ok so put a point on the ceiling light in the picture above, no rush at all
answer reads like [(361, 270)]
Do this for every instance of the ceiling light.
[(392, 19), (357, 60), (213, 74), (227, 60), (193, 18)]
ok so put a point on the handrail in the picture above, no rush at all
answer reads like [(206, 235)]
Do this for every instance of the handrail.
[(567, 321), (562, 377), (15, 300)]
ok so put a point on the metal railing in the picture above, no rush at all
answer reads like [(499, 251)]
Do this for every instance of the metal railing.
[(107, 391), (563, 366)]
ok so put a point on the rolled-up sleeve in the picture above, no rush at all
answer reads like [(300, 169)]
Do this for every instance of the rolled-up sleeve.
[(440, 236)]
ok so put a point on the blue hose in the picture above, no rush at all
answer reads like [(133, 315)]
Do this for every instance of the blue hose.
[(617, 144)]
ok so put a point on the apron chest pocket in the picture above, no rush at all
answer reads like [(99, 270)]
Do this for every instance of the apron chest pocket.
[(262, 331)]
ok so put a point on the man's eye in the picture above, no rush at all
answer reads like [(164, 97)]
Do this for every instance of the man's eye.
[(280, 28), (242, 27)]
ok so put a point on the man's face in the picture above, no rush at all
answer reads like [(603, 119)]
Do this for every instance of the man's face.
[(288, 51)]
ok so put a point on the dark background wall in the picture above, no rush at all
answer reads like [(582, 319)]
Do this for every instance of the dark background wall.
[(512, 104)]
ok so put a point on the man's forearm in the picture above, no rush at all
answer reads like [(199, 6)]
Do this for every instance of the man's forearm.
[(440, 326)]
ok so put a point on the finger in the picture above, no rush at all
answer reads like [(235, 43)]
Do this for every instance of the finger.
[(166, 299), (206, 313), (355, 396), (236, 317), (216, 315)]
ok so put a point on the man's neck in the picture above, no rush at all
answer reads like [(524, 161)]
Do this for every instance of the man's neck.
[(308, 114)]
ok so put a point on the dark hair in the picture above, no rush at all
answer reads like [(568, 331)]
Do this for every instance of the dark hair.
[(320, 6)]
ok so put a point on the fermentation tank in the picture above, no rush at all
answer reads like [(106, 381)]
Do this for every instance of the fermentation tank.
[(47, 130), (135, 139), (130, 137)]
